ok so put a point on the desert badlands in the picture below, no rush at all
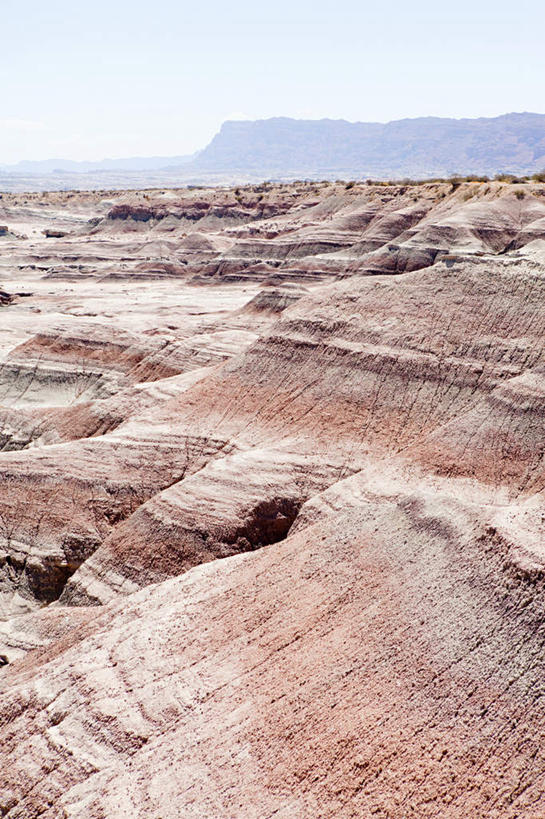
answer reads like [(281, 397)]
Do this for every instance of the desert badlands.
[(272, 502)]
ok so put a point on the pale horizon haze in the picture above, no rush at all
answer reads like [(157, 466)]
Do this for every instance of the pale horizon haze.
[(122, 79)]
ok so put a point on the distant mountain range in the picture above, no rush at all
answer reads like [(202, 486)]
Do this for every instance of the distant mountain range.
[(137, 163), (429, 146), (283, 148)]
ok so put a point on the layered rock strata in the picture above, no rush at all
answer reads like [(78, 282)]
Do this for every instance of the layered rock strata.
[(272, 503)]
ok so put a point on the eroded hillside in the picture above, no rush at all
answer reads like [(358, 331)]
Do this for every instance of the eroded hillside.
[(272, 502)]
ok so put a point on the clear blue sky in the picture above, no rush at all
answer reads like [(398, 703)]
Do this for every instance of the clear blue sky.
[(114, 78)]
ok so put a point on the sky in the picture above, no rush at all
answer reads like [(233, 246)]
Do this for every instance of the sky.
[(122, 78)]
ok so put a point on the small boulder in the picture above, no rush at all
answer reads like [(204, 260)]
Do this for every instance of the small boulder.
[(52, 233)]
